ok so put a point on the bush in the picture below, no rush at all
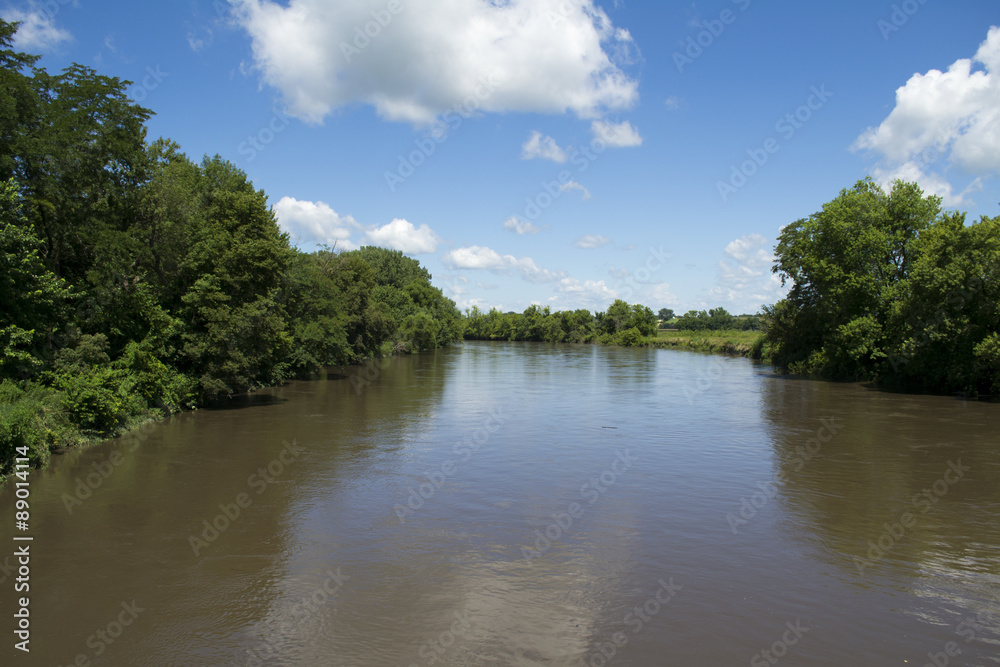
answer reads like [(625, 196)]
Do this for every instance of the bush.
[(29, 417), (93, 400), (421, 330), (159, 386)]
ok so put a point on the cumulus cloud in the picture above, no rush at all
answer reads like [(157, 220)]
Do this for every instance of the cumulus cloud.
[(519, 226), (591, 241), (616, 135), (745, 280), (542, 146), (592, 293), (37, 31), (660, 293), (573, 185), (401, 235), (423, 59), (483, 258), (314, 221), (950, 117)]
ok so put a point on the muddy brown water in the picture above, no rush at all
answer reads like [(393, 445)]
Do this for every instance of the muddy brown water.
[(525, 504)]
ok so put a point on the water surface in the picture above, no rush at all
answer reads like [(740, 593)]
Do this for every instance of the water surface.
[(528, 504)]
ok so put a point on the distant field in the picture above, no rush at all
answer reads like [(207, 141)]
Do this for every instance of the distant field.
[(726, 341)]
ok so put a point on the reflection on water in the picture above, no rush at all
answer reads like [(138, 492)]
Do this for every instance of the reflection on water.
[(529, 504)]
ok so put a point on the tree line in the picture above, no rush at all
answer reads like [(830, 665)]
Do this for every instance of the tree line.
[(887, 286), (136, 282), (620, 324)]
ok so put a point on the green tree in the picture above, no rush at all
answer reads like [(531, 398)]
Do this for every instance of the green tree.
[(235, 333), (32, 300), (944, 330), (846, 265)]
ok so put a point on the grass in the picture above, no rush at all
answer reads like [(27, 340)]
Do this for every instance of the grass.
[(732, 341)]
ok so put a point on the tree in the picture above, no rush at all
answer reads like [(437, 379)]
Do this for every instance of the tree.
[(235, 333), (18, 102), (944, 332), (32, 300), (665, 315), (846, 264)]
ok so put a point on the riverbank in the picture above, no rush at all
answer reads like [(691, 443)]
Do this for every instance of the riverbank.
[(37, 420), (733, 342)]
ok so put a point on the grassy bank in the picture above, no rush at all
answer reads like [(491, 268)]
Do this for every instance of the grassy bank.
[(742, 343)]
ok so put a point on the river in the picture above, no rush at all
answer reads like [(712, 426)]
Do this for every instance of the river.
[(526, 504)]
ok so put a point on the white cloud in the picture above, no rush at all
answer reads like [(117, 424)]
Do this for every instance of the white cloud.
[(745, 280), (931, 182), (591, 241), (314, 221), (660, 293), (37, 31), (401, 235), (199, 39), (519, 226), (483, 258), (673, 103), (951, 116), (620, 135), (542, 146), (573, 185), (545, 56), (592, 293)]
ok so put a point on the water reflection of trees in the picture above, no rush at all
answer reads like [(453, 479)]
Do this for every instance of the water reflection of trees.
[(861, 484)]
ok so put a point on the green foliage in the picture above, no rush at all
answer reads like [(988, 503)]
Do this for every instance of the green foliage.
[(847, 265), (621, 316), (29, 417), (941, 329), (717, 319), (145, 376), (32, 299), (622, 324), (886, 287)]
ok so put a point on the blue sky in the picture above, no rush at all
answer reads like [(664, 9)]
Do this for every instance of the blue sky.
[(560, 152)]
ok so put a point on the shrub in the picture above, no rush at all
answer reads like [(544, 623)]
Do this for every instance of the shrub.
[(29, 417)]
